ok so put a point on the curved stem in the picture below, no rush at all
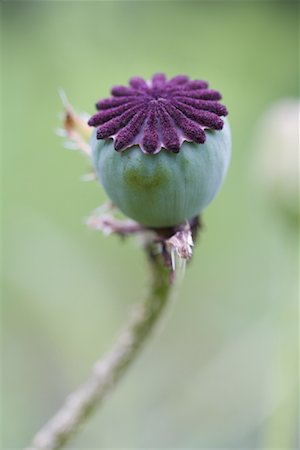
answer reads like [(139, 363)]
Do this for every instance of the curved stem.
[(107, 371)]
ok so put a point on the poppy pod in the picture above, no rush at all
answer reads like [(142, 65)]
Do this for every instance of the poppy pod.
[(161, 148)]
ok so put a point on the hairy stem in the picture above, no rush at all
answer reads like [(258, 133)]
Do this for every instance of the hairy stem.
[(107, 371)]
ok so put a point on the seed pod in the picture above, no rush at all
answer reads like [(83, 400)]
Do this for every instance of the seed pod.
[(161, 148)]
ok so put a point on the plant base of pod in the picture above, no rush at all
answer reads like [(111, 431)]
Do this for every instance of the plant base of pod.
[(177, 240)]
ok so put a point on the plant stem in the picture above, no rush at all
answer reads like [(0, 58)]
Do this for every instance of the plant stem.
[(107, 371)]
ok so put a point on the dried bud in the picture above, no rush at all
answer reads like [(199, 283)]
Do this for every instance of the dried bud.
[(173, 148)]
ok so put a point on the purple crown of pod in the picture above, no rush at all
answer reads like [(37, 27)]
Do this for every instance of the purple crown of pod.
[(158, 113)]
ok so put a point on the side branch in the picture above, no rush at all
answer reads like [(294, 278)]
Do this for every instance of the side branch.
[(106, 372)]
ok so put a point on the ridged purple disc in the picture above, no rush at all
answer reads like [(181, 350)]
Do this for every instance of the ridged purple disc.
[(158, 113)]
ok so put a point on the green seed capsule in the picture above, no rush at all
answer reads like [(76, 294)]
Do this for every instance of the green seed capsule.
[(163, 189)]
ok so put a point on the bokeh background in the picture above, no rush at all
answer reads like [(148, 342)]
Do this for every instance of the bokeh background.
[(221, 371)]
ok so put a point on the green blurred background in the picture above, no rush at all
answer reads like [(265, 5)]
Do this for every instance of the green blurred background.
[(221, 370)]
